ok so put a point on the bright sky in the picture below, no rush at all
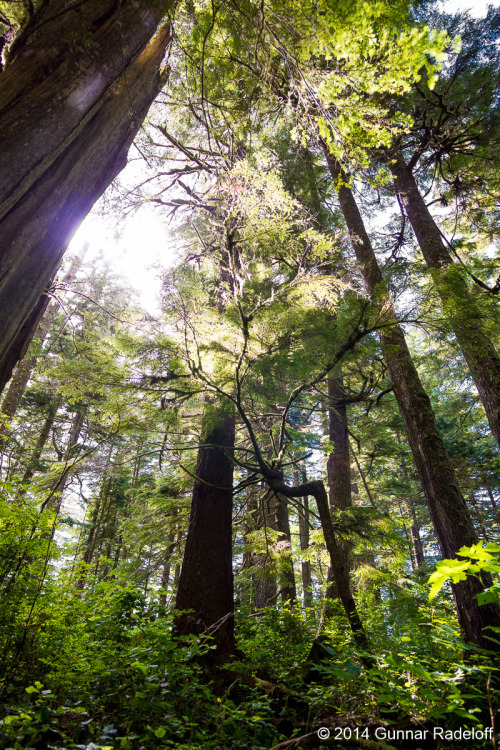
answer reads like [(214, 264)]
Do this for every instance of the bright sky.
[(477, 8), (142, 240), (134, 248)]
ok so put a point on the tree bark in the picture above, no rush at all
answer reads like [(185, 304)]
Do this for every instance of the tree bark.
[(40, 443), (286, 571), (459, 305), (206, 579), (72, 98), (447, 506), (304, 546), (338, 469)]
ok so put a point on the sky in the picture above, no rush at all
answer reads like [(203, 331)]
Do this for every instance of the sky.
[(141, 242), (476, 8), (135, 248)]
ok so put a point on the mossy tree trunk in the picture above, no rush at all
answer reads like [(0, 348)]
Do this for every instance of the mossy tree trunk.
[(460, 306), (449, 513)]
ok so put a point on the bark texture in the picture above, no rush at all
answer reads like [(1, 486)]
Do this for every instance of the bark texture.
[(206, 579), (450, 516), (339, 470), (338, 465), (287, 574), (459, 304), (75, 91)]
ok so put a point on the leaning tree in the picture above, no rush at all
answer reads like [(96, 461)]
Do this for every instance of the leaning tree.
[(76, 83)]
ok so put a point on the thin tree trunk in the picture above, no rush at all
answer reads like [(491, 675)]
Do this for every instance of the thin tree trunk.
[(478, 515), (41, 441), (304, 546), (246, 592), (165, 574), (417, 548), (338, 464), (67, 119), (265, 575), (448, 509), (459, 305), (89, 544), (416, 541), (206, 579), (59, 487), (493, 504), (318, 491), (286, 571), (177, 575)]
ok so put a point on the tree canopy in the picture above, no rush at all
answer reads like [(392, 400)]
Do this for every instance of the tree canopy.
[(268, 515)]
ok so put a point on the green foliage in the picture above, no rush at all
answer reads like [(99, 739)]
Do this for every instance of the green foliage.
[(480, 559), (263, 305), (110, 674), (276, 641)]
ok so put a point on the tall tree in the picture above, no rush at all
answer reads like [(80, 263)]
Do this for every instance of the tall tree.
[(76, 85), (459, 305), (447, 506), (206, 580)]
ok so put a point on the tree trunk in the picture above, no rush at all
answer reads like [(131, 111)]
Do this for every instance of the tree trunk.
[(416, 542), (59, 487), (341, 580), (266, 590), (246, 589), (304, 546), (165, 574), (318, 491), (338, 464), (286, 571), (478, 514), (18, 384), (206, 579), (338, 470), (89, 545), (17, 348), (459, 305), (68, 114), (493, 504), (448, 510), (40, 443)]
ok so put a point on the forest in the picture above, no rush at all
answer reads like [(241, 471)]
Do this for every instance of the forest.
[(263, 512)]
